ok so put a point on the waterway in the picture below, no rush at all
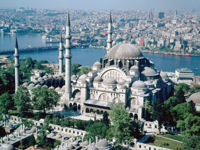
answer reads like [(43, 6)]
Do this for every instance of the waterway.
[(89, 55)]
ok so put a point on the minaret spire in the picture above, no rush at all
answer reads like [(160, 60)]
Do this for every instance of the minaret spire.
[(61, 55), (16, 56), (109, 32), (68, 60)]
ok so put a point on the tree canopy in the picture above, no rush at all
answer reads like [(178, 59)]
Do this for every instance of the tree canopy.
[(44, 98), (97, 129), (6, 103), (22, 100), (121, 123)]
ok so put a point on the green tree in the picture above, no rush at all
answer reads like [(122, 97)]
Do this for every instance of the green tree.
[(167, 106), (190, 125), (26, 66), (75, 68), (182, 86), (158, 112), (22, 101), (105, 119), (195, 89), (180, 111), (27, 123), (121, 123), (192, 143), (84, 70), (98, 129), (44, 98), (7, 81), (6, 103), (180, 95)]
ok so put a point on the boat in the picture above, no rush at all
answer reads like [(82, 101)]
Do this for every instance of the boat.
[(187, 55)]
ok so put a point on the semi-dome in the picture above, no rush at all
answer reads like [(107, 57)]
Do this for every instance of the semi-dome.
[(124, 51), (195, 98), (139, 85), (82, 78), (109, 81), (149, 72)]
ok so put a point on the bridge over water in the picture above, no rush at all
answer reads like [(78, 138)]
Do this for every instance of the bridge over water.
[(29, 49)]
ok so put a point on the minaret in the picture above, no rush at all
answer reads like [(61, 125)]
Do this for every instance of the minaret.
[(68, 60), (109, 32), (16, 56), (61, 55)]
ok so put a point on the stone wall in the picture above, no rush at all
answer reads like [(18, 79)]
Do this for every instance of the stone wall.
[(56, 128)]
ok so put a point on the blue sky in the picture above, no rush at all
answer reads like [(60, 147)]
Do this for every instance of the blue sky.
[(102, 4)]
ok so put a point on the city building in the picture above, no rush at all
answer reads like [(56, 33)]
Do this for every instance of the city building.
[(161, 15), (184, 75)]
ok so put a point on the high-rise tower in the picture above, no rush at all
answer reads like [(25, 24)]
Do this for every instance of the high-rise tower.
[(68, 60), (109, 32), (61, 55), (16, 56)]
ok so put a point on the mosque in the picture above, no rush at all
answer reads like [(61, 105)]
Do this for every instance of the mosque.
[(123, 75)]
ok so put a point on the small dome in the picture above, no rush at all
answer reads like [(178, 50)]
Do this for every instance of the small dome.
[(7, 147), (25, 84), (45, 86), (149, 72), (33, 130), (57, 89), (37, 86), (39, 79), (51, 87), (164, 75), (195, 98), (97, 64), (98, 79), (45, 77), (73, 77), (109, 81), (134, 68), (102, 143), (91, 147), (124, 51), (70, 146), (84, 144), (31, 85), (138, 85)]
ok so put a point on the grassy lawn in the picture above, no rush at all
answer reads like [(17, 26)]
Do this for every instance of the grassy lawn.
[(162, 142), (175, 137)]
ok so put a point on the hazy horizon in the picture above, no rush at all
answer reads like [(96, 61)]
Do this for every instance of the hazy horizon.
[(103, 4)]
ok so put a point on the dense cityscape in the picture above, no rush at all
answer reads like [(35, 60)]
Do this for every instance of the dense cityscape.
[(171, 31), (120, 102)]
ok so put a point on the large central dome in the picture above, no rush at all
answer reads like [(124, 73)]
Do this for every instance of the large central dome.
[(124, 51)]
